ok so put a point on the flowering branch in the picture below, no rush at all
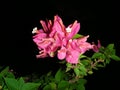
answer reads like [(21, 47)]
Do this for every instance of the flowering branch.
[(70, 48)]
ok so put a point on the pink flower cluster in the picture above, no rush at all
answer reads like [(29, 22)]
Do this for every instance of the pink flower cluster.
[(55, 38)]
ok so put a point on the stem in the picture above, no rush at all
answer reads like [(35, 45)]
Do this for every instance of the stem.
[(93, 65)]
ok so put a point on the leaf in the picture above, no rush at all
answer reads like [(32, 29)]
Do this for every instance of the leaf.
[(59, 75), (110, 46), (63, 85), (47, 87), (82, 69), (53, 86), (10, 75), (30, 86), (85, 62), (82, 56), (11, 83), (90, 72), (108, 60), (98, 55), (80, 87), (110, 49), (115, 57), (77, 36), (68, 68), (81, 84), (4, 71), (68, 65), (82, 81), (77, 71), (5, 88), (20, 83), (72, 86)]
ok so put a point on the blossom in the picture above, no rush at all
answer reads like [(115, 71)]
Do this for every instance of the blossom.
[(74, 49), (64, 32), (55, 37)]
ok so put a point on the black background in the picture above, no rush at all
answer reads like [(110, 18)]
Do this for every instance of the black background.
[(99, 20)]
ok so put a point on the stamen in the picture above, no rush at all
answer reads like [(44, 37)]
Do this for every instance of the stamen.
[(34, 30), (68, 29), (70, 40)]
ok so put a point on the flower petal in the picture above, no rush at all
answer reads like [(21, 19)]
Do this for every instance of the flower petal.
[(74, 29), (72, 57), (61, 53)]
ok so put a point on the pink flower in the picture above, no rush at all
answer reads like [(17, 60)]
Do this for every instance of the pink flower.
[(45, 43), (74, 49), (54, 35), (56, 38), (81, 44), (64, 32)]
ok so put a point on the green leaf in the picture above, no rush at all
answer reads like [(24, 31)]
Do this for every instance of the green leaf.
[(90, 72), (68, 65), (4, 71), (53, 85), (77, 71), (77, 36), (81, 84), (63, 85), (82, 81), (109, 50), (83, 70), (5, 88), (82, 56), (30, 86), (20, 83), (10, 75), (115, 57), (108, 60), (47, 87), (110, 46), (80, 87), (68, 68), (59, 75), (11, 83), (85, 62), (98, 55)]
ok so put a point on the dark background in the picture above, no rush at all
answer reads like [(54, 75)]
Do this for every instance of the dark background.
[(97, 20)]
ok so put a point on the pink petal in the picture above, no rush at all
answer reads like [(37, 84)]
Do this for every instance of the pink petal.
[(84, 47), (83, 39), (61, 53), (42, 54), (43, 23), (57, 27), (74, 29), (72, 57), (99, 44)]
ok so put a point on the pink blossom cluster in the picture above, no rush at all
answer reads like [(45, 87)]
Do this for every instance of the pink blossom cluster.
[(56, 39)]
